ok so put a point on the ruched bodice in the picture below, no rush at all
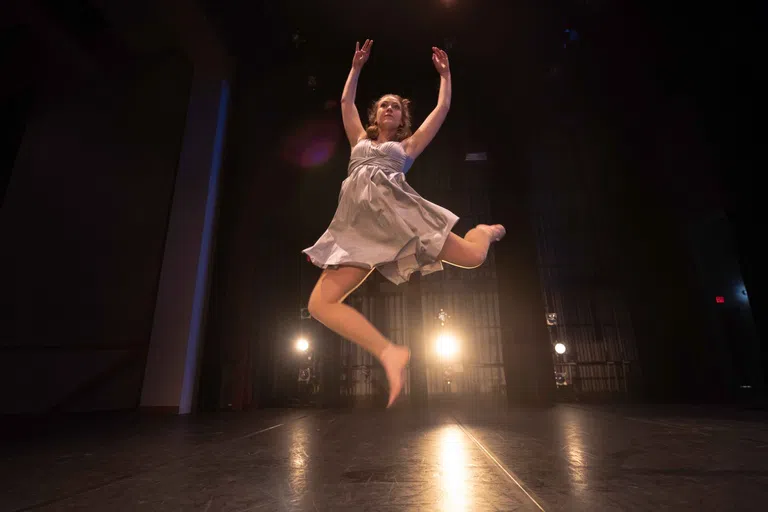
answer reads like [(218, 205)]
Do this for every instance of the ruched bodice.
[(387, 156)]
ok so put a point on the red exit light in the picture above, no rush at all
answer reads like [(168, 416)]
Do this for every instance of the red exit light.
[(720, 299)]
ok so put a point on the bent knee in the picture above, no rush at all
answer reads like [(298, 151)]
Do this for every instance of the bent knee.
[(477, 258), (315, 305)]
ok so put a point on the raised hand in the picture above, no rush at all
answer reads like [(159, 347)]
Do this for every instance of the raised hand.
[(361, 54), (440, 60)]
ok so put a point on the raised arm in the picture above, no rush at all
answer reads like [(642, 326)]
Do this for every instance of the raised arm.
[(421, 138), (349, 114)]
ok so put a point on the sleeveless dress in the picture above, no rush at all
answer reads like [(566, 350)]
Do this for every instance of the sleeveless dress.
[(380, 221)]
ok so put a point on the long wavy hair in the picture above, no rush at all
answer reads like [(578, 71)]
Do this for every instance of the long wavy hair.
[(403, 131)]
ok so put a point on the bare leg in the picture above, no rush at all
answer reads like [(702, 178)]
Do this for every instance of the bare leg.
[(326, 305), (471, 251)]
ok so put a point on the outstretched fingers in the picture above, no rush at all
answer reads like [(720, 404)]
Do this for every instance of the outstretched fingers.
[(439, 57), (366, 46)]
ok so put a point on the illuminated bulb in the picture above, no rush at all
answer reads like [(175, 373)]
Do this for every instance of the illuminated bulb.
[(559, 348), (446, 345), (302, 345)]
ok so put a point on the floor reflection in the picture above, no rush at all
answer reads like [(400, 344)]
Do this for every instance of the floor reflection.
[(454, 469), (298, 458), (572, 438)]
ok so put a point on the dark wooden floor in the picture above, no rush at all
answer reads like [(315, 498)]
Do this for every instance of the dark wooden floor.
[(569, 458)]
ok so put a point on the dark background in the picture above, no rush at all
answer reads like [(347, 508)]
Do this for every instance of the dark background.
[(653, 106)]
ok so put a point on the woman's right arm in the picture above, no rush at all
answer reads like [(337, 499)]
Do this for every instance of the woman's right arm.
[(349, 114)]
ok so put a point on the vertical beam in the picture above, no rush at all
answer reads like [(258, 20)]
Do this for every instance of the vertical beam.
[(174, 352)]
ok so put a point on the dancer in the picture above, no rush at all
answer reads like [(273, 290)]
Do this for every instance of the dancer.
[(381, 222)]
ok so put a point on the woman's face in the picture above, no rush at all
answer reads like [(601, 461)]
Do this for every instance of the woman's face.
[(389, 114)]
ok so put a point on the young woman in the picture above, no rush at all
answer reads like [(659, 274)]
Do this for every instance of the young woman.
[(381, 222)]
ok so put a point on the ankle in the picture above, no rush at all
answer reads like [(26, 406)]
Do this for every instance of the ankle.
[(385, 351)]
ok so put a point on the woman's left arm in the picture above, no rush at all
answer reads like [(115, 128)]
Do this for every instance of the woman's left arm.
[(421, 138)]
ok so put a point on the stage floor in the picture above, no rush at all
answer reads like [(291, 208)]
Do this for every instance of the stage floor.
[(567, 458)]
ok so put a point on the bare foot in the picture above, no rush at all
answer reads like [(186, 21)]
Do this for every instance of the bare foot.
[(496, 232), (393, 359)]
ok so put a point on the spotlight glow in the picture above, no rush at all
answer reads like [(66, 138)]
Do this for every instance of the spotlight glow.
[(302, 345), (446, 345), (559, 348)]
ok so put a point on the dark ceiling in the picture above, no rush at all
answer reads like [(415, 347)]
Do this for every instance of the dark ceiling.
[(477, 28)]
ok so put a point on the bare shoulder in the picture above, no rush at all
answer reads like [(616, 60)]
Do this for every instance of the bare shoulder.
[(360, 139)]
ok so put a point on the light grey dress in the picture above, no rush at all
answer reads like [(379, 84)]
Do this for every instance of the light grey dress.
[(380, 221)]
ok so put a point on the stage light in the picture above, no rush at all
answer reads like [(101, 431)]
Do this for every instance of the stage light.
[(446, 345), (560, 348), (302, 345)]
